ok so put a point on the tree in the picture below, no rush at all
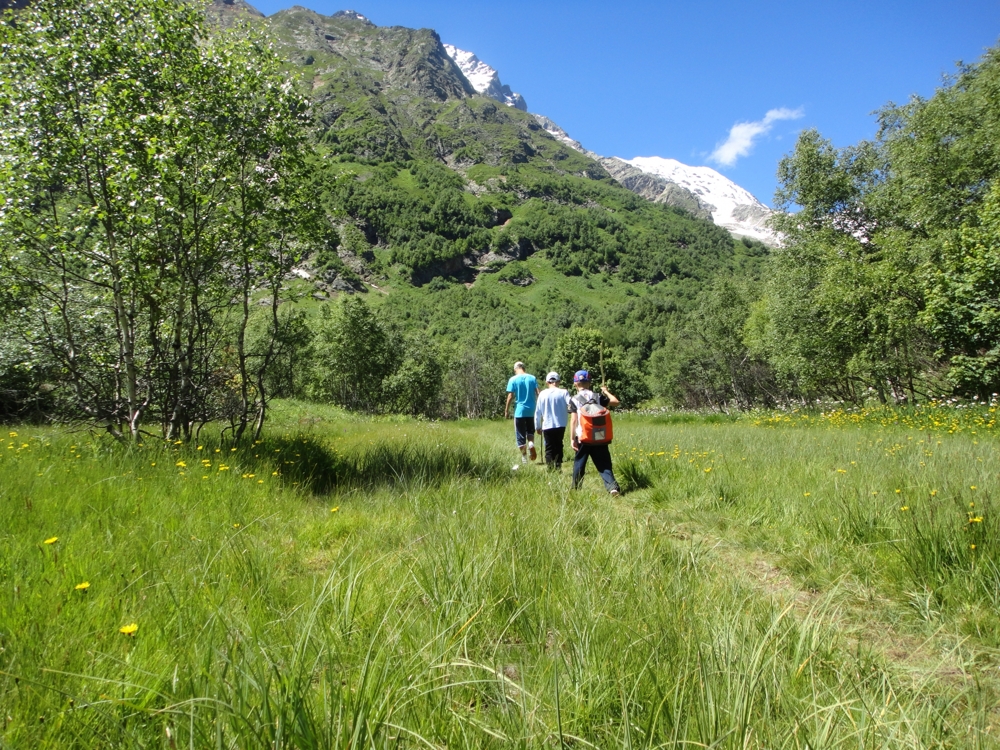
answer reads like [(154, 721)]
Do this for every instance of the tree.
[(839, 314), (963, 301), (706, 360), (150, 184), (354, 356), (585, 349)]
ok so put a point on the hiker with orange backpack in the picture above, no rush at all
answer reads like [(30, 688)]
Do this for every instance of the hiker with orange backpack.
[(590, 431)]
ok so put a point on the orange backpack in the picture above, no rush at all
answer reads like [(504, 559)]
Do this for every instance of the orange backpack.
[(594, 424)]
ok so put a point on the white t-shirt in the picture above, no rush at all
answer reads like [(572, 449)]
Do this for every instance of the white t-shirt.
[(552, 409)]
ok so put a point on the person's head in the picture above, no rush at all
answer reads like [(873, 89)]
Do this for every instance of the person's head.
[(552, 379), (519, 368), (582, 380)]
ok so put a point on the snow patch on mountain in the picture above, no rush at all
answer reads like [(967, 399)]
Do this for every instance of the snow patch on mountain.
[(484, 79), (732, 207), (700, 190)]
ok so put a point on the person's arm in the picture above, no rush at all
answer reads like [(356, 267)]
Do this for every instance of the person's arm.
[(612, 398), (506, 407), (574, 441)]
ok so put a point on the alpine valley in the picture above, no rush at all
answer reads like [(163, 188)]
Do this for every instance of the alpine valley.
[(477, 221)]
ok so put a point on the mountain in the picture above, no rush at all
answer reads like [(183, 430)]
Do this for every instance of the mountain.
[(484, 79), (731, 206), (700, 190)]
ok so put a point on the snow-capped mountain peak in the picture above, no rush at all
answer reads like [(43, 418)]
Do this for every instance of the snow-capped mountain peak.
[(484, 79), (732, 207)]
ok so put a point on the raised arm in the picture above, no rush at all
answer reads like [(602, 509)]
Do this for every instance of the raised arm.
[(612, 398)]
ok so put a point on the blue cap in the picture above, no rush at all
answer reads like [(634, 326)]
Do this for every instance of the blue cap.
[(581, 376)]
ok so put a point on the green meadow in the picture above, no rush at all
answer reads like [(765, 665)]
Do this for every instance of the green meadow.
[(766, 581)]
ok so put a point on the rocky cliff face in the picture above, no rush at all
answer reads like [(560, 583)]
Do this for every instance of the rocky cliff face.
[(392, 93), (226, 13), (484, 79), (406, 60)]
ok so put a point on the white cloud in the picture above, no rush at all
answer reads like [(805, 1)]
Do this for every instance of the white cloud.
[(743, 134)]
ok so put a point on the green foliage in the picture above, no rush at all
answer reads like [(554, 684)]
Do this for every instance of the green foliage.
[(515, 273), (882, 282), (963, 310), (707, 359), (154, 180), (354, 355), (585, 349)]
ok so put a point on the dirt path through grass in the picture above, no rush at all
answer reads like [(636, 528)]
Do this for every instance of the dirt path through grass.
[(942, 662)]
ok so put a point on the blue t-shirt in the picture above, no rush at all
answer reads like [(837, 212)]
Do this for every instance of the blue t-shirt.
[(523, 387)]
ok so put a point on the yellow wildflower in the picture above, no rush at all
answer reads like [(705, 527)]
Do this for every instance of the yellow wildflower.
[(972, 487), (806, 494), (51, 540), (334, 510), (128, 629), (904, 507), (82, 586), (933, 493), (182, 464)]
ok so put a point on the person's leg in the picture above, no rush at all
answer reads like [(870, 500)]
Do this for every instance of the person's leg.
[(554, 447), (558, 436), (602, 462), (550, 447), (579, 466), (521, 437)]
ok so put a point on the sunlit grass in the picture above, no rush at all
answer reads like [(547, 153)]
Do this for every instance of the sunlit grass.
[(374, 583)]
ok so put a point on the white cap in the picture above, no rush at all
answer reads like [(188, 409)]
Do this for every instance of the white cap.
[(552, 377)]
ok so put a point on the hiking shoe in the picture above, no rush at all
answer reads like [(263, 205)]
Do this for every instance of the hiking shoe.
[(614, 493), (531, 450), (524, 460)]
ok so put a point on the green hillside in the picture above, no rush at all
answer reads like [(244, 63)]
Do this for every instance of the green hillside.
[(442, 196)]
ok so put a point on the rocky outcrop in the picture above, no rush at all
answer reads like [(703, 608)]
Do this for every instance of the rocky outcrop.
[(484, 79), (406, 60), (226, 13)]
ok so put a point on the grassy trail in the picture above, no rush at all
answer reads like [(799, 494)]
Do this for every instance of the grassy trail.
[(353, 583)]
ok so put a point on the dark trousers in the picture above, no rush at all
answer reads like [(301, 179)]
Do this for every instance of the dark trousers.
[(554, 446), (602, 461)]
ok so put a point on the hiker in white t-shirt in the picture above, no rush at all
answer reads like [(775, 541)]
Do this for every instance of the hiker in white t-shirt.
[(551, 415)]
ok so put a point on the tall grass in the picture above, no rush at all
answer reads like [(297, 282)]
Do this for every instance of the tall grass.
[(351, 583)]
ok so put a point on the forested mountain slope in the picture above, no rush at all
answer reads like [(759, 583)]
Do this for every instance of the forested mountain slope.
[(428, 181)]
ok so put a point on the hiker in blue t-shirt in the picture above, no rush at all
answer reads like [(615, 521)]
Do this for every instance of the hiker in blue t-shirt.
[(522, 389)]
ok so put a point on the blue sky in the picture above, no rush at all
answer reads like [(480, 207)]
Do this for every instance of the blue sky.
[(672, 78)]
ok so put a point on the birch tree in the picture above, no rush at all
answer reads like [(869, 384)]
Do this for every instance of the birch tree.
[(150, 185)]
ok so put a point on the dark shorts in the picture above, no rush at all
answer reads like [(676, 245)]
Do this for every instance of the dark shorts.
[(524, 429)]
